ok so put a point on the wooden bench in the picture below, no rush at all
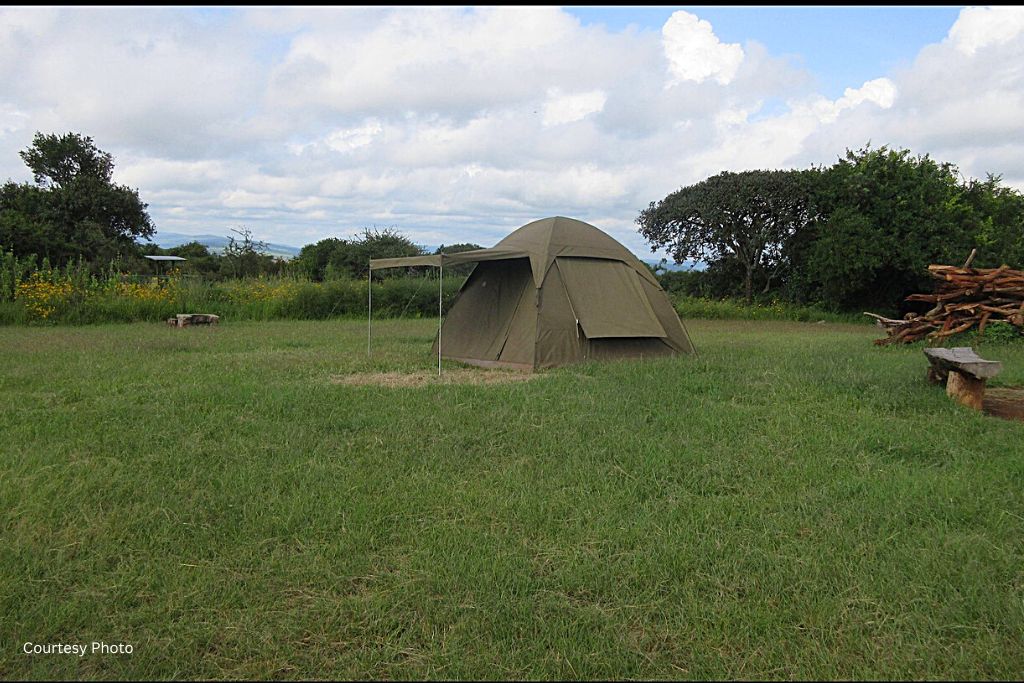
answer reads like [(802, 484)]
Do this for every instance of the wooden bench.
[(964, 373)]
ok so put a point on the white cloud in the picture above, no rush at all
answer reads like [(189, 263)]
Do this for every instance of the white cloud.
[(880, 92), (561, 108), (348, 139), (461, 124), (980, 27), (694, 52), (11, 119)]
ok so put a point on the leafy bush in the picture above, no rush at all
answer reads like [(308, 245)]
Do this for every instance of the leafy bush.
[(996, 333), (71, 295)]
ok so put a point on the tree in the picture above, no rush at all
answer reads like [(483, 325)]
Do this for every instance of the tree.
[(885, 215), (732, 220), (997, 222), (246, 257), (463, 269), (59, 160), (335, 257), (74, 210), (380, 243), (324, 259)]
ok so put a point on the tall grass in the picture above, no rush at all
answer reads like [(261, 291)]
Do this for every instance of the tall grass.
[(73, 296), (732, 309), (36, 293)]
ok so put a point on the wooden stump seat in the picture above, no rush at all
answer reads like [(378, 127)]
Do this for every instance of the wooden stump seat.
[(963, 371)]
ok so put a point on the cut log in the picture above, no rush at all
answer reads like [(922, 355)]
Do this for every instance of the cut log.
[(964, 298), (887, 322), (967, 263), (984, 321)]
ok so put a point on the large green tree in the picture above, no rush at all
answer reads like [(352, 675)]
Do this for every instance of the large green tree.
[(335, 257), (997, 221), (733, 221), (885, 216), (74, 209)]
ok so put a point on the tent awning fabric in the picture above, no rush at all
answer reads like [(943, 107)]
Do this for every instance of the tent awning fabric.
[(437, 260)]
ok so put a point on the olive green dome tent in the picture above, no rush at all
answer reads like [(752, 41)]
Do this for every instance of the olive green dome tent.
[(553, 292)]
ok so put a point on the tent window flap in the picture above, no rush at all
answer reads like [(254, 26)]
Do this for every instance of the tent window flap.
[(608, 298)]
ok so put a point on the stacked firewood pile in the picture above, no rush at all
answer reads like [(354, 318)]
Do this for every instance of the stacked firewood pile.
[(964, 298)]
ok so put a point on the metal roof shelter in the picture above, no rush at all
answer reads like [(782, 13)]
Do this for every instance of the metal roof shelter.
[(553, 292), (164, 259)]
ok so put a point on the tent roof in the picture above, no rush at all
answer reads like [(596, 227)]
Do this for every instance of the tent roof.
[(542, 242)]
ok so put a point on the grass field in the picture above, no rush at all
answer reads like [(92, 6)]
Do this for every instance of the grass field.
[(793, 502)]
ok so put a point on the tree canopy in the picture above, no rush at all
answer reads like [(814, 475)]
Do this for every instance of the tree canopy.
[(857, 234), (73, 209), (335, 257), (462, 269), (245, 256), (885, 216), (745, 219)]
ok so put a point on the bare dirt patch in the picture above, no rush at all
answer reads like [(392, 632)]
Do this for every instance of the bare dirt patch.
[(427, 377)]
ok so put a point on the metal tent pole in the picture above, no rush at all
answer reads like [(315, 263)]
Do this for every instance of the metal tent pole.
[(369, 306), (440, 294)]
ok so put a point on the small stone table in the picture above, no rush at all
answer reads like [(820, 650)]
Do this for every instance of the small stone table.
[(964, 373), (186, 319)]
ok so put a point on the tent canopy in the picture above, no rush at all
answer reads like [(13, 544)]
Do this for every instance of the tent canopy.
[(555, 291), (542, 242), (438, 260)]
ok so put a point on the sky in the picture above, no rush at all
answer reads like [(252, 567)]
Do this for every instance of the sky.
[(462, 124)]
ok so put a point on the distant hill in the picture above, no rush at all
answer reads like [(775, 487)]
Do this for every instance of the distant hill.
[(166, 240)]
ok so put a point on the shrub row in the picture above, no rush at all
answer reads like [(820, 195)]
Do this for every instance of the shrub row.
[(53, 298)]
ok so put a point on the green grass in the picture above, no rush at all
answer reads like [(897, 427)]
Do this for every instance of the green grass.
[(793, 502)]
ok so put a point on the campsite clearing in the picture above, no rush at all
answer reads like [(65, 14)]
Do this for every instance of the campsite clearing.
[(792, 502)]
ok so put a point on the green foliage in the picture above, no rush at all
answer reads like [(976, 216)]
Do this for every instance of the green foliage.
[(73, 295), (380, 243), (747, 219), (696, 308), (862, 237), (463, 269), (326, 259), (201, 261), (997, 333), (14, 270), (680, 282), (885, 216), (996, 222), (60, 160), (75, 210), (1001, 332), (333, 258)]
